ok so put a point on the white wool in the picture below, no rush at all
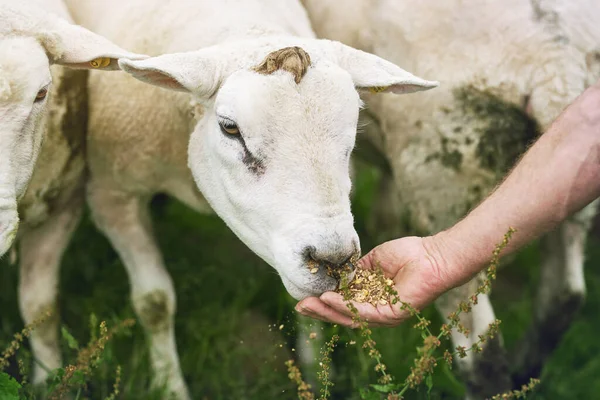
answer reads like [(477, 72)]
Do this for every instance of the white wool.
[(30, 21), (19, 19), (42, 164), (510, 48), (5, 90)]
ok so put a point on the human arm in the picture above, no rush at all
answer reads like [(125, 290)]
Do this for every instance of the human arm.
[(558, 176)]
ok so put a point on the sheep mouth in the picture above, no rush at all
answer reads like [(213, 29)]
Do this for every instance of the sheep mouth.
[(342, 274)]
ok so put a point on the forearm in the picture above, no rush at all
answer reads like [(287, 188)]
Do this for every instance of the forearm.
[(559, 175)]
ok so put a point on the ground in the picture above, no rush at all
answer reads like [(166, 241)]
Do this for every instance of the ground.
[(231, 306)]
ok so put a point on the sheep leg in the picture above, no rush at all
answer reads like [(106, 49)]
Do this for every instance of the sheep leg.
[(125, 220), (41, 251), (561, 293), (486, 373)]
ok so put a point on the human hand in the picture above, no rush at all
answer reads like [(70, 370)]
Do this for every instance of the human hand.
[(419, 274)]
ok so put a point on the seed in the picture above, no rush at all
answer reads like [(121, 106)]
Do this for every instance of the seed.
[(369, 286), (312, 335), (281, 327), (314, 270)]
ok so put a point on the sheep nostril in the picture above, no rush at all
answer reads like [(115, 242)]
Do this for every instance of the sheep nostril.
[(334, 259)]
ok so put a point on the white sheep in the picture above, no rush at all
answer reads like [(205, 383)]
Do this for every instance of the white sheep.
[(499, 63), (267, 119), (43, 118)]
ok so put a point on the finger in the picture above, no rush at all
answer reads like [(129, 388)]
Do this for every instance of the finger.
[(309, 314), (336, 302), (365, 262), (375, 316), (331, 317), (306, 307), (366, 311), (315, 308)]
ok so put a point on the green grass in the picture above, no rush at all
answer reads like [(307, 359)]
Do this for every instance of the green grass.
[(230, 306)]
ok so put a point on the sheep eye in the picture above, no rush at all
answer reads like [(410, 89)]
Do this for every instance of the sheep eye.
[(229, 128), (41, 95)]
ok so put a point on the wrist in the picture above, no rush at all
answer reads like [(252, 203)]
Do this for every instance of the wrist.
[(443, 261), (452, 257)]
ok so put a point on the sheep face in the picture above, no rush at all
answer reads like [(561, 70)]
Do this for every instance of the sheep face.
[(23, 97), (272, 157), (31, 40), (271, 150)]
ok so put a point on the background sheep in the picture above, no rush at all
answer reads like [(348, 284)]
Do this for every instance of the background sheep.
[(507, 69), (43, 118), (32, 41)]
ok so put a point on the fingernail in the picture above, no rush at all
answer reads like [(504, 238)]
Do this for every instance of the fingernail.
[(302, 310), (324, 298)]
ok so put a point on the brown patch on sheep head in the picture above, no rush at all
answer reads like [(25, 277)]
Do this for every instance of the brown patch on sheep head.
[(291, 59)]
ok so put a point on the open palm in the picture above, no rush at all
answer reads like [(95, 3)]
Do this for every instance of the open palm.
[(418, 278)]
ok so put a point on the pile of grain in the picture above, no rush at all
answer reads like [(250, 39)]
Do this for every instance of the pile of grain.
[(369, 286)]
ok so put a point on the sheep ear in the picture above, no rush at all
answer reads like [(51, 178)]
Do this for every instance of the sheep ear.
[(65, 43), (373, 73), (192, 72), (75, 47)]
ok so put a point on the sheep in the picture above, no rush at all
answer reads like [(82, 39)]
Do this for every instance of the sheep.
[(266, 114), (31, 42), (575, 23), (42, 127), (505, 68)]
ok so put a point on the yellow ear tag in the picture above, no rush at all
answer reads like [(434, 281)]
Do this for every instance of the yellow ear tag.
[(378, 89), (100, 62)]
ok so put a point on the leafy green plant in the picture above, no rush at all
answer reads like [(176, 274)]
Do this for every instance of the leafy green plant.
[(9, 387), (218, 358), (324, 375), (15, 344), (62, 381), (304, 392)]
